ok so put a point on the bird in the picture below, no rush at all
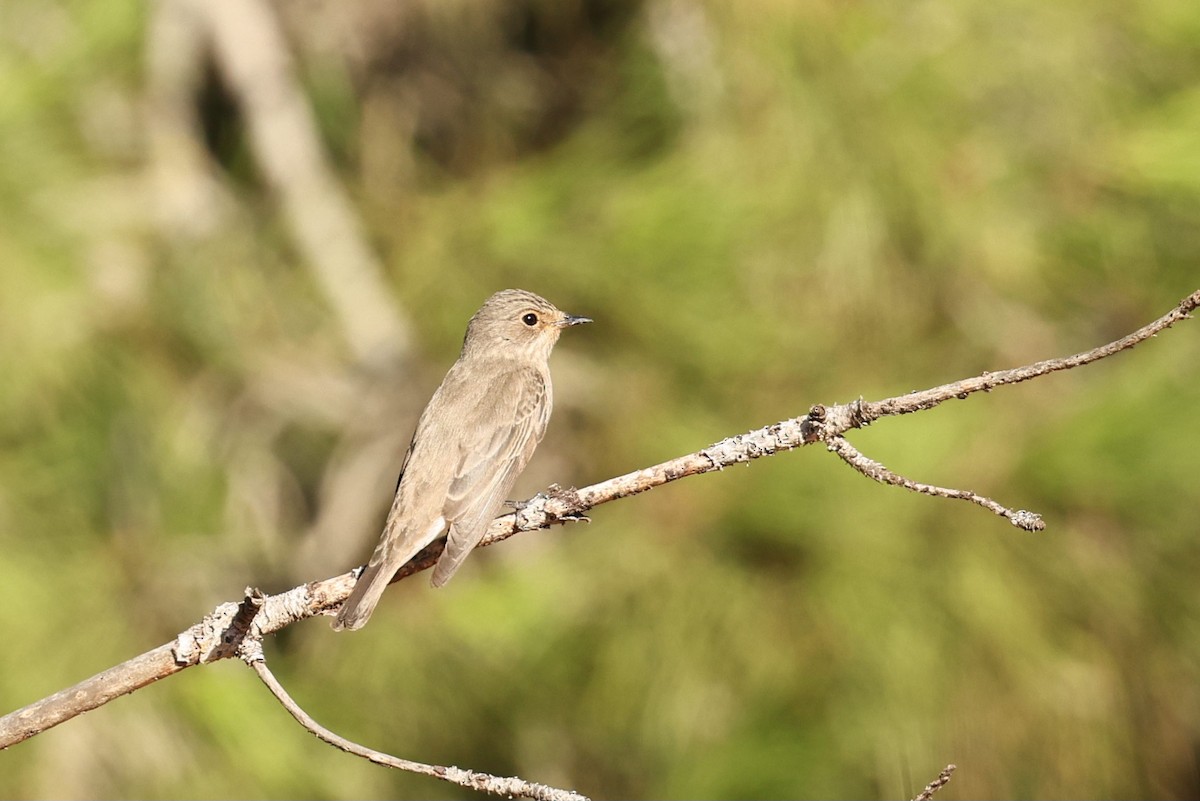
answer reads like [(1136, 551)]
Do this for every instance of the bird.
[(475, 436)]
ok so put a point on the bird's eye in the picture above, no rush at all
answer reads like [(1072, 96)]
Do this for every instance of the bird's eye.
[(530, 319)]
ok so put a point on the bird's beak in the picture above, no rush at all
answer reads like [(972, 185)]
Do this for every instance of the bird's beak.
[(571, 319)]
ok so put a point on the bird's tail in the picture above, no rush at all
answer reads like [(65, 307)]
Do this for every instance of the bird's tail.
[(400, 542), (458, 547), (357, 609)]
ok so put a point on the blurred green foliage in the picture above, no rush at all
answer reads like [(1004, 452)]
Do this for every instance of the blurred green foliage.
[(764, 206)]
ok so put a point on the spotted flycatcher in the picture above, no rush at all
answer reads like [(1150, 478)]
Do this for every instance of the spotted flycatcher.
[(472, 441)]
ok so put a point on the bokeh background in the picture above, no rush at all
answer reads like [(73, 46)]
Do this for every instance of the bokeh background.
[(239, 243)]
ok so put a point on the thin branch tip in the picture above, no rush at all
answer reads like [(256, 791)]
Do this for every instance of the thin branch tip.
[(1029, 521), (941, 781)]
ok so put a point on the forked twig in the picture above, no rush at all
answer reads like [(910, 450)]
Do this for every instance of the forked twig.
[(840, 419)]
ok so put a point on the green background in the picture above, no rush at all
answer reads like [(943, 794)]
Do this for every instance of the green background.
[(764, 206)]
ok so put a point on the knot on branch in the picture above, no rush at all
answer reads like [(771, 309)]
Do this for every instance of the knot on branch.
[(220, 634), (812, 426), (824, 423)]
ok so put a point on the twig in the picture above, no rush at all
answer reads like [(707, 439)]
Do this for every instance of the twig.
[(861, 414), (877, 472), (252, 654), (220, 633), (941, 781), (927, 399)]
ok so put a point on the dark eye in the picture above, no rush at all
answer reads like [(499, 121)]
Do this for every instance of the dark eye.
[(530, 319)]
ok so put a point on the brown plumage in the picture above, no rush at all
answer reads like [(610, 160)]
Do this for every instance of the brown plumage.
[(474, 438)]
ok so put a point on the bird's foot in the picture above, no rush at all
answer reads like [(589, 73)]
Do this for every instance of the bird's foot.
[(566, 495)]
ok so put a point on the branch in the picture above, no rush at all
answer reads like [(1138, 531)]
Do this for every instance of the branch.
[(877, 472), (221, 633), (927, 399), (251, 652), (941, 781)]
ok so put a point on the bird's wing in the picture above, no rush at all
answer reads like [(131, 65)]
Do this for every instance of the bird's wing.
[(415, 518), (492, 456), (404, 465)]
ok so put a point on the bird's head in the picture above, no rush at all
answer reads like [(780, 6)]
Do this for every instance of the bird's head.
[(518, 322)]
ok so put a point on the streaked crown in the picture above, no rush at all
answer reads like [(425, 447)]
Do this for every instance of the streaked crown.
[(514, 321)]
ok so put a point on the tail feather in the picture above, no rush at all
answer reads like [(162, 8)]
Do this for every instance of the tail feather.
[(399, 543), (452, 558), (357, 609)]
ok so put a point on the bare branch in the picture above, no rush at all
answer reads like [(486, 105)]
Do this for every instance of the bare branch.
[(927, 399), (86, 695), (877, 472), (215, 637), (252, 653), (941, 781), (220, 634)]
